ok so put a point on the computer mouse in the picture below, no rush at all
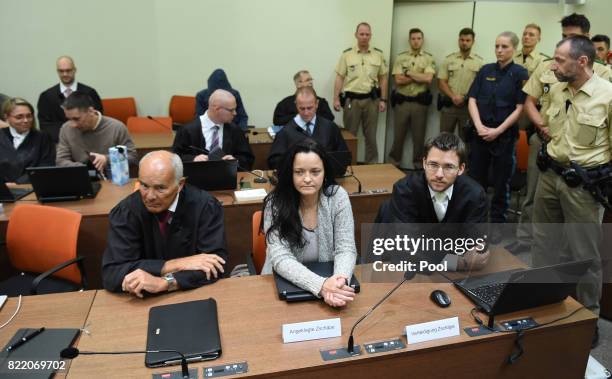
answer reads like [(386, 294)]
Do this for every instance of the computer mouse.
[(440, 298)]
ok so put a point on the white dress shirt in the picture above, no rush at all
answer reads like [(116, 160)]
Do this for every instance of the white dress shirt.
[(63, 88), (302, 124), (208, 130), (17, 138)]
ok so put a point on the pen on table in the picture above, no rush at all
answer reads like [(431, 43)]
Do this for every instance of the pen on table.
[(25, 339)]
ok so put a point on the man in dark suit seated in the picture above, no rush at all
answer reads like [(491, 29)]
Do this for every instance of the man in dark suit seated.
[(50, 113), (307, 124), (286, 110), (215, 129), (442, 194), (166, 236)]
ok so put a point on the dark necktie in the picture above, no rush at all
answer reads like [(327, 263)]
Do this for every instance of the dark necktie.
[(215, 138), (310, 128), (163, 218)]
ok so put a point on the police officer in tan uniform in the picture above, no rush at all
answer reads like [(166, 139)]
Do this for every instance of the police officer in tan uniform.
[(537, 88), (528, 57), (412, 72), (361, 74), (578, 153), (455, 77)]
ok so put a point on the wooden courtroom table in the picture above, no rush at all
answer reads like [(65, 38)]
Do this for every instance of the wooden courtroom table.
[(251, 316), (259, 139), (94, 225), (67, 310)]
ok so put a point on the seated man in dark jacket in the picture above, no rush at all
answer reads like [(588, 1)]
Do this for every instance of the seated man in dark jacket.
[(167, 236), (307, 124), (214, 129), (286, 110), (442, 194)]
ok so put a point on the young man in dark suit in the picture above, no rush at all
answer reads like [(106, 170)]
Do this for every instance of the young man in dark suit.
[(215, 129), (306, 124), (50, 113), (442, 194)]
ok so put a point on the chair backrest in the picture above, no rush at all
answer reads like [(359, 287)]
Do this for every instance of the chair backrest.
[(148, 125), (522, 151), (259, 242), (120, 108), (40, 237), (182, 108)]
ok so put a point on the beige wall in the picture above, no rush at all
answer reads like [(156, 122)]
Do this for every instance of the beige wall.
[(152, 49)]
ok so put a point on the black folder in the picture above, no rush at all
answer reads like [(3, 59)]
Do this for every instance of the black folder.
[(46, 347), (290, 292), (191, 328)]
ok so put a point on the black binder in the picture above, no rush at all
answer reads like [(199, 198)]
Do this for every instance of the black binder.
[(46, 347), (191, 328), (291, 293)]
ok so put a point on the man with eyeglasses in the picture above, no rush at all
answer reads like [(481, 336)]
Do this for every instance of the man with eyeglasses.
[(50, 113), (442, 194), (166, 236), (212, 131)]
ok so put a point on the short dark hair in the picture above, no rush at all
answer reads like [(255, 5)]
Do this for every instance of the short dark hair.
[(578, 20), (601, 38), (448, 142), (78, 100), (467, 31), (415, 30), (580, 46), (363, 23)]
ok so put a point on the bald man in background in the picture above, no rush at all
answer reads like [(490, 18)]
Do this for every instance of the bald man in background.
[(215, 129), (50, 113)]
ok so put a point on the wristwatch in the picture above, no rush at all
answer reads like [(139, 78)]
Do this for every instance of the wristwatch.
[(172, 286)]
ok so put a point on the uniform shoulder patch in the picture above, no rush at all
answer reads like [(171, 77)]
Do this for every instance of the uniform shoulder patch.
[(478, 56), (347, 50), (426, 53), (377, 49)]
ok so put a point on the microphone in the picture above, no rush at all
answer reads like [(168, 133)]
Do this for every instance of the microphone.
[(259, 178), (73, 352), (408, 275), (159, 123), (352, 175)]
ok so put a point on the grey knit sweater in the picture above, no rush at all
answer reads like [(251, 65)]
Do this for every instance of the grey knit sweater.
[(336, 236)]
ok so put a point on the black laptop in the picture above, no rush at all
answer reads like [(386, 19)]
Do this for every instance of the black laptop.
[(212, 175), (192, 328), (290, 292), (65, 183), (514, 290), (10, 195), (339, 161)]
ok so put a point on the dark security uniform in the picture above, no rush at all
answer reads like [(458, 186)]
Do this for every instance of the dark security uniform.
[(497, 92)]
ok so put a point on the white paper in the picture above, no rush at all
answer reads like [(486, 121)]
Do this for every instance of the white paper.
[(312, 330), (433, 330)]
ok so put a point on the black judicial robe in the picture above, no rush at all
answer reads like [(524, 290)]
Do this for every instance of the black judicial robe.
[(135, 242), (51, 116), (35, 150), (286, 110), (326, 133)]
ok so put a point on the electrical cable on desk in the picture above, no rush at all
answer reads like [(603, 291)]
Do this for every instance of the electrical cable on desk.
[(14, 314), (519, 332)]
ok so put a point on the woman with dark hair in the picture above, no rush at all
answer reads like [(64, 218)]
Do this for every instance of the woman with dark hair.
[(308, 218), (21, 144)]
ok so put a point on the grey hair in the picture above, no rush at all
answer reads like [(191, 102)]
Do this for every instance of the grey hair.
[(175, 161), (514, 40), (299, 73)]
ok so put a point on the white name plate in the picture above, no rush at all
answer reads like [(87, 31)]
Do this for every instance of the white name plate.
[(312, 330), (433, 330)]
